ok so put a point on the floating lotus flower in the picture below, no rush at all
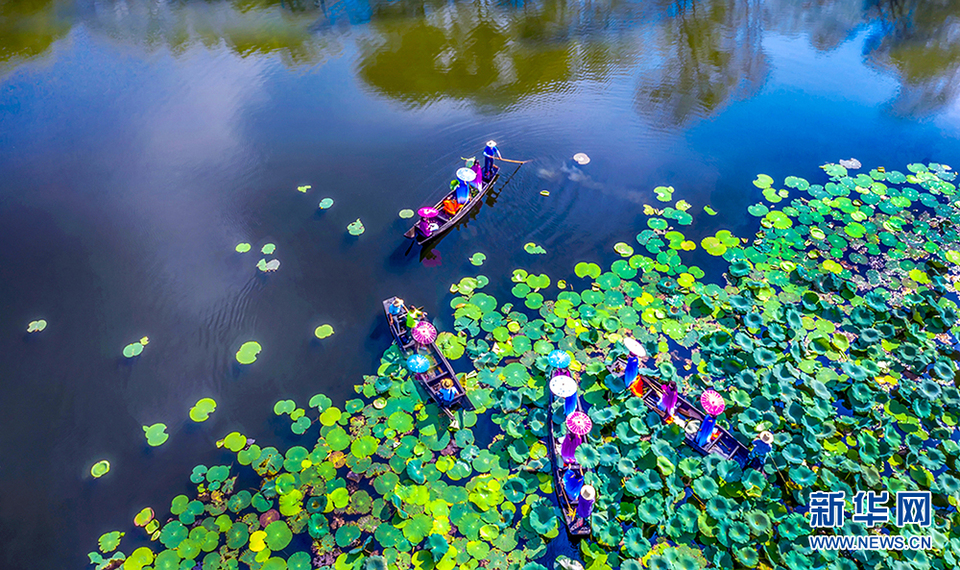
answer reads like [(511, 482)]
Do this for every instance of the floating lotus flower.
[(559, 359), (712, 402), (418, 363), (581, 158), (579, 423), (424, 333), (563, 386)]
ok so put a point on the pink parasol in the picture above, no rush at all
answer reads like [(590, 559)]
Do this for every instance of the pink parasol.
[(424, 332), (579, 423), (428, 212), (712, 402)]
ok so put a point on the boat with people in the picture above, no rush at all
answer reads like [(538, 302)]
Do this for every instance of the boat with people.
[(466, 192), (424, 359), (687, 416), (568, 482)]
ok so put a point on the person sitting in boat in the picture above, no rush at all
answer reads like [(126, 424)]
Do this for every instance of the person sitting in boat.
[(427, 226), (451, 206), (762, 446), (463, 193), (490, 152), (447, 392), (414, 316), (474, 165), (396, 307), (668, 401)]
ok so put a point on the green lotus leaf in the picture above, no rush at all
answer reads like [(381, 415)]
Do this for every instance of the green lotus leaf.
[(100, 468), (248, 352), (156, 434), (278, 535), (706, 488), (623, 249), (543, 518), (587, 456), (346, 534), (406, 213), (763, 181), (202, 410), (477, 259), (748, 556), (37, 326), (533, 248), (243, 247), (355, 228), (326, 203), (133, 349)]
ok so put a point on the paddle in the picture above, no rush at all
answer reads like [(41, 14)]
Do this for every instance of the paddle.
[(505, 160)]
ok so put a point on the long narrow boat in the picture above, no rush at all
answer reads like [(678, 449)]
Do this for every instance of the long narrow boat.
[(725, 444), (440, 369), (447, 221), (577, 527)]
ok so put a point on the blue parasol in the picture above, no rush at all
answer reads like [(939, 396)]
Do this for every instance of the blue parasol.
[(558, 359), (418, 363)]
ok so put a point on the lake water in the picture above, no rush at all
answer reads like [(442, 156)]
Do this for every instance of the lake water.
[(141, 142)]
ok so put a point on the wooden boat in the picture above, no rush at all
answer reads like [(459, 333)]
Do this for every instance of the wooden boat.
[(432, 380), (447, 221), (724, 444), (577, 527)]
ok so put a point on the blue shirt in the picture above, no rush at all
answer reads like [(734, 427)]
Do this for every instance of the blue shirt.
[(491, 151)]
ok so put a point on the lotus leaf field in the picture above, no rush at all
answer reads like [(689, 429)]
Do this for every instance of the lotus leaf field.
[(833, 327)]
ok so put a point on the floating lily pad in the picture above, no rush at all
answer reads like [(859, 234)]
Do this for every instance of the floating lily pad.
[(243, 247), (36, 326), (133, 349), (477, 259), (268, 249), (406, 213), (100, 468), (355, 228), (248, 352), (202, 410), (326, 203), (156, 434), (323, 331)]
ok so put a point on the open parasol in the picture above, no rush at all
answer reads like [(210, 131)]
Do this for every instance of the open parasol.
[(418, 363), (424, 332), (559, 359), (466, 174), (579, 423), (635, 347), (712, 402), (428, 212), (563, 386)]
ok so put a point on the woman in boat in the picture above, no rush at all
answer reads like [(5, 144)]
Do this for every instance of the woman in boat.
[(761, 448), (427, 226), (474, 164), (668, 402), (414, 316), (447, 392), (396, 307), (490, 152)]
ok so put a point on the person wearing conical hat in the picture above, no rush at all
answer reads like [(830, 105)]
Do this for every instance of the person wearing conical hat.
[(448, 393), (762, 446), (396, 307), (490, 152)]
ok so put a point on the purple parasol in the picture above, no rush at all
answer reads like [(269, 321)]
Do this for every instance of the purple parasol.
[(424, 332), (428, 212), (579, 423)]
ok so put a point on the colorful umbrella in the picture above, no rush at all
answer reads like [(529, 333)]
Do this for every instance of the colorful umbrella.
[(424, 332), (579, 423), (559, 359), (712, 402), (428, 212), (562, 386), (418, 363), (466, 174), (635, 347)]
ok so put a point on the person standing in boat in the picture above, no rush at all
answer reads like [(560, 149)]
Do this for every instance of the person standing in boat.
[(490, 152)]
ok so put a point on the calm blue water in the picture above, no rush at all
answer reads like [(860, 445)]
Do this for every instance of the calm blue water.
[(142, 141)]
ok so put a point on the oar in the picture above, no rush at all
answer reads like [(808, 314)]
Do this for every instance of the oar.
[(505, 160)]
